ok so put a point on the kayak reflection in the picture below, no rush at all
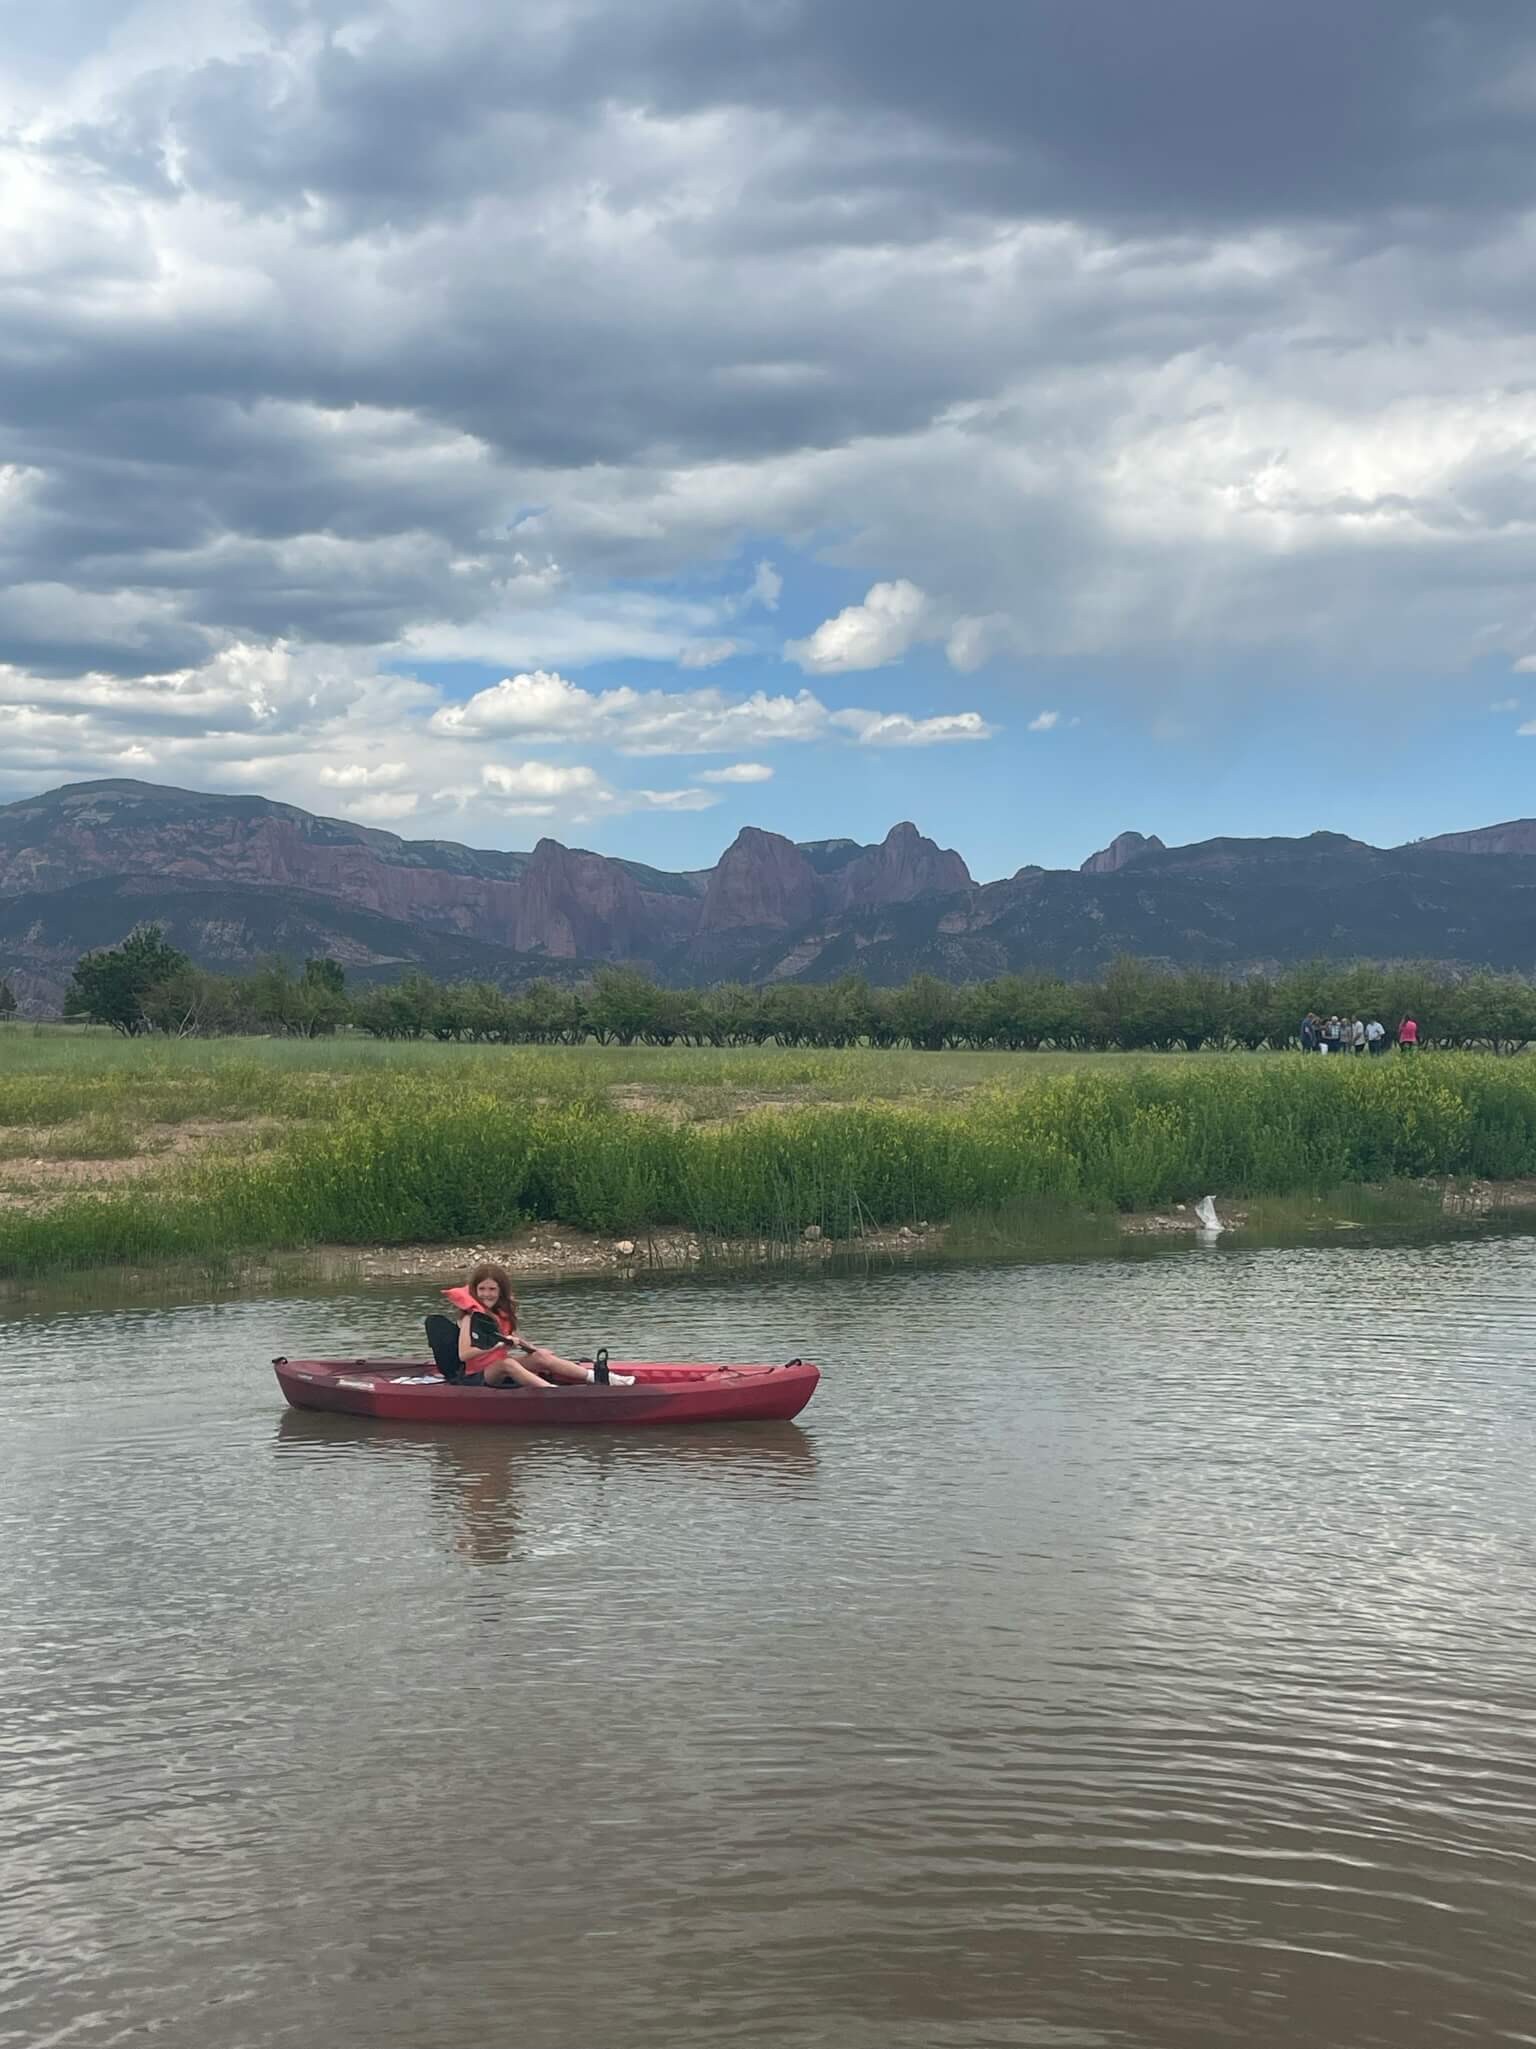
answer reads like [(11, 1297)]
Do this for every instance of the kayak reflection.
[(503, 1495)]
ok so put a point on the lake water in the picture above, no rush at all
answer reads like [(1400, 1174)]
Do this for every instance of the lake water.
[(1135, 1652)]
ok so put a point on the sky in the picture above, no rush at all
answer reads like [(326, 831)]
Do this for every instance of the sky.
[(629, 420)]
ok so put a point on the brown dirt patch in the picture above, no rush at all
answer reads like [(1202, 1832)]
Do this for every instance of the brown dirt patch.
[(550, 1250), (674, 1107), (36, 1180), (646, 1103)]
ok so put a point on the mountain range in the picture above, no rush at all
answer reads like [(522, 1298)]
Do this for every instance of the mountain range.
[(237, 879)]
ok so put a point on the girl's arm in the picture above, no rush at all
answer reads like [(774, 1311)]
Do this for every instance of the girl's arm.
[(468, 1348)]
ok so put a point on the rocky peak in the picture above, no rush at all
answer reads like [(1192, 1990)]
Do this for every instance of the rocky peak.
[(762, 880), (904, 865), (577, 905), (1130, 846)]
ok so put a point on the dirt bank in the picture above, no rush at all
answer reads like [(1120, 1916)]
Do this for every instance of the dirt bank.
[(546, 1250)]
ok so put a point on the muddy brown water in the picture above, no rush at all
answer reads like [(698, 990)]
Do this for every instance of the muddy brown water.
[(1128, 1652)]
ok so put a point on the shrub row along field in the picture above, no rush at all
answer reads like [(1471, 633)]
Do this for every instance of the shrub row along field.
[(145, 986), (467, 1150)]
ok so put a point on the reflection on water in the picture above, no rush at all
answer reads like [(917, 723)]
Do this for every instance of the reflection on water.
[(1131, 1653), (482, 1481)]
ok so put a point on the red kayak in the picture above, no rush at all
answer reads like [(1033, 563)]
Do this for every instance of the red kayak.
[(412, 1393)]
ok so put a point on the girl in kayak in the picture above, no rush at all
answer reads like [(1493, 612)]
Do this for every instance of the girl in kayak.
[(488, 1296)]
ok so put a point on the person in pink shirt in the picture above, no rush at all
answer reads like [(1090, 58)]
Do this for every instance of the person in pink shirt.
[(1408, 1036)]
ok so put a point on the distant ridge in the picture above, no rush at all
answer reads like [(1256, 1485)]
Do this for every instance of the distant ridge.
[(238, 878), (1517, 836)]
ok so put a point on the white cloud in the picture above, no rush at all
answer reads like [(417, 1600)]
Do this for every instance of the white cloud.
[(1527, 729), (892, 617), (895, 729), (973, 642), (537, 781), (1043, 721), (539, 789), (592, 626), (312, 728), (706, 654), (384, 808), (766, 588), (322, 729), (541, 708), (667, 800), (355, 775), (1505, 704), (536, 705), (241, 690)]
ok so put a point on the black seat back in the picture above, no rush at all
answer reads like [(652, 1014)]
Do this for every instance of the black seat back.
[(443, 1337)]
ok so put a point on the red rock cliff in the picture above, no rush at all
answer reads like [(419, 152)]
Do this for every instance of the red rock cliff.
[(762, 881), (904, 865)]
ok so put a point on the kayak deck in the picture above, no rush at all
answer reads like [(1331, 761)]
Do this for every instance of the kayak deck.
[(412, 1391)]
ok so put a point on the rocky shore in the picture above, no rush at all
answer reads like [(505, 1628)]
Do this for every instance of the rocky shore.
[(550, 1250)]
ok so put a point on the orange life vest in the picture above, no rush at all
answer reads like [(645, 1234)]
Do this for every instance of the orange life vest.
[(461, 1298)]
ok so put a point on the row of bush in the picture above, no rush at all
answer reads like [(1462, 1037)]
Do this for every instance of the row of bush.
[(146, 986)]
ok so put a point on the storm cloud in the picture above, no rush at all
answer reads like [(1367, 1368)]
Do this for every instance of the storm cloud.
[(363, 331)]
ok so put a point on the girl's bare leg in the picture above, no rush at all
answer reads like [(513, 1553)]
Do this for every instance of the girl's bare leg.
[(552, 1367), (500, 1371)]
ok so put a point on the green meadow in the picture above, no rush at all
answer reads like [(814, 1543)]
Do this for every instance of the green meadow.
[(117, 1151)]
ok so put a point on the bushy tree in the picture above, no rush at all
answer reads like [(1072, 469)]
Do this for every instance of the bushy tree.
[(194, 1004), (928, 1013), (110, 986), (322, 1007), (551, 1015), (321, 972), (7, 999), (624, 1006)]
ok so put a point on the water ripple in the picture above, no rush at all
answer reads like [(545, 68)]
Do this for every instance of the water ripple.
[(1126, 1655)]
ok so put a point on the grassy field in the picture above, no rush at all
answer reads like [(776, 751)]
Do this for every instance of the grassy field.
[(94, 1055), (114, 1151)]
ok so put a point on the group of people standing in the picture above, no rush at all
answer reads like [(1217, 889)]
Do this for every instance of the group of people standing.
[(1354, 1035)]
